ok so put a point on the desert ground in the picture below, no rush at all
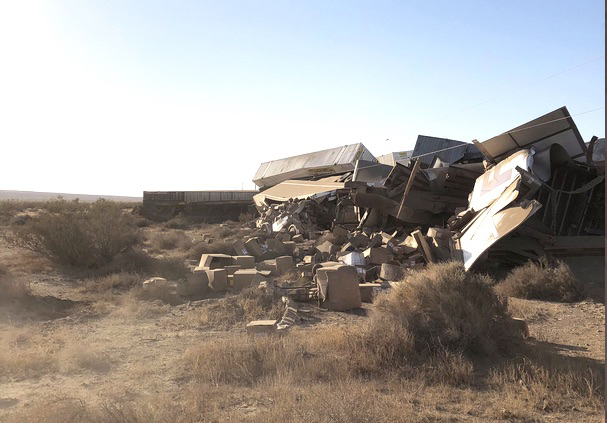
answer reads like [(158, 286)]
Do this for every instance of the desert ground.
[(91, 345)]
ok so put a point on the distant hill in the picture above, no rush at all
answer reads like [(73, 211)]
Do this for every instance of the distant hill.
[(43, 196)]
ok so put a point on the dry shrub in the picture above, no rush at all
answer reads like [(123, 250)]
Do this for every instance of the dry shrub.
[(179, 222), (144, 305), (249, 304), (170, 240), (117, 281), (291, 278), (137, 261), (73, 235), (441, 307), (220, 231), (10, 208), (203, 247), (227, 231), (142, 222), (13, 288), (544, 280), (172, 268)]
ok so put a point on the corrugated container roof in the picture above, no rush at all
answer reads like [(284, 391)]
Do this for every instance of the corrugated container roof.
[(394, 157), (426, 144), (556, 127), (325, 162)]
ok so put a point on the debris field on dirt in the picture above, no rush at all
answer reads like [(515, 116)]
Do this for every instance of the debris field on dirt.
[(337, 226)]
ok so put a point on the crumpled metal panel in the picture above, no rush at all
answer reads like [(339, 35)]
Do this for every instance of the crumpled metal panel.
[(493, 223), (491, 184), (298, 190), (556, 127)]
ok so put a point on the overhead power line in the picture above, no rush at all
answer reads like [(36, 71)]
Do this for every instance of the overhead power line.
[(510, 132), (514, 90)]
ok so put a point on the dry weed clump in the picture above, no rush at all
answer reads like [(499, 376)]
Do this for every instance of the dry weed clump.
[(216, 247), (309, 357), (74, 235), (27, 352), (137, 261), (432, 324), (550, 382), (340, 402), (441, 307), (171, 240), (221, 231), (13, 288), (122, 281), (250, 304), (10, 208), (327, 355), (544, 280), (179, 222)]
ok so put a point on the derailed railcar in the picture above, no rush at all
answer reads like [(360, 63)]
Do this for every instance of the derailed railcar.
[(207, 206)]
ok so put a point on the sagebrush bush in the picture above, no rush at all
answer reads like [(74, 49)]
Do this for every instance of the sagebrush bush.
[(9, 208), (543, 280), (442, 307), (74, 235)]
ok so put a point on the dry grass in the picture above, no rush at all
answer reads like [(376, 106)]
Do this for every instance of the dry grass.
[(433, 349), (291, 278), (203, 247), (542, 281), (549, 382), (222, 231), (179, 222), (28, 352), (249, 304), (170, 240), (285, 395), (340, 402), (530, 311), (122, 281), (431, 325), (13, 288), (325, 355), (137, 261), (143, 304)]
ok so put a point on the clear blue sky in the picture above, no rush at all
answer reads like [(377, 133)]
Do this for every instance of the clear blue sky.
[(117, 97)]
